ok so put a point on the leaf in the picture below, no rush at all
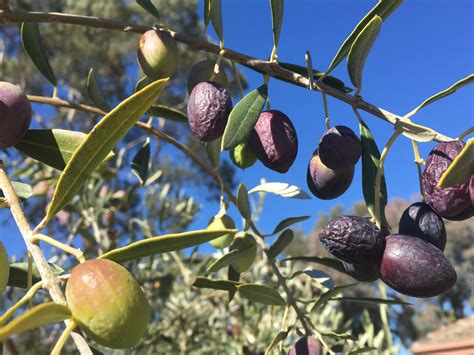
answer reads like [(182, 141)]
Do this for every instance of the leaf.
[(360, 50), (363, 350), (38, 316), (384, 9), (99, 142), (281, 243), (415, 131), (243, 204), (33, 45), (372, 300), (261, 294), (288, 222), (203, 282), (282, 189), (344, 336), (277, 19), (150, 8), (53, 147), (462, 167), (216, 18), (168, 113), (164, 244), (24, 191), (281, 336), (141, 163), (229, 258), (326, 296), (328, 80), (213, 150), (329, 262), (243, 117), (451, 90), (19, 274), (320, 277), (232, 275), (370, 163), (144, 81), (94, 92), (207, 12)]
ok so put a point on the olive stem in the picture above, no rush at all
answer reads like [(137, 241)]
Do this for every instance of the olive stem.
[(68, 249), (326, 110), (419, 162), (218, 63), (26, 298), (63, 338), (465, 133), (50, 282), (378, 177)]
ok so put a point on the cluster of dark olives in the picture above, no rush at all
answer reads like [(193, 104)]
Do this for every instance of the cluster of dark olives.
[(331, 168), (411, 262)]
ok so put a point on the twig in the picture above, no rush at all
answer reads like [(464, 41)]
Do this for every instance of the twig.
[(49, 281), (267, 67)]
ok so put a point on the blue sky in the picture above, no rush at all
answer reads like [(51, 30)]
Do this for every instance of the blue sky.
[(424, 47)]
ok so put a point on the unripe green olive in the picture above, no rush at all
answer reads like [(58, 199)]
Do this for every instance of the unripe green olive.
[(107, 303), (158, 54), (243, 155), (224, 222), (202, 71), (4, 268), (244, 241)]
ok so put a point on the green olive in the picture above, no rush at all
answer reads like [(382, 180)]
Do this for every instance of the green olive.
[(224, 222), (245, 242)]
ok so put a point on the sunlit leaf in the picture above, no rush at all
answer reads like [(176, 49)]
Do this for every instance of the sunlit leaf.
[(360, 50), (38, 316), (243, 117), (227, 259), (34, 46), (282, 189), (164, 244), (24, 191), (261, 294), (100, 142), (462, 167), (415, 131), (451, 90)]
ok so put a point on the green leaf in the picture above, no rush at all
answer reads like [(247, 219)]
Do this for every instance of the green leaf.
[(451, 90), (277, 19), (33, 45), (216, 18), (144, 81), (415, 131), (164, 244), (344, 336), (372, 300), (326, 296), (229, 258), (38, 316), (234, 276), (207, 12), (141, 163), (243, 202), (288, 222), (329, 262), (150, 8), (213, 150), (24, 191), (99, 142), (281, 336), (384, 9), (363, 350), (370, 163), (328, 80), (94, 92), (461, 169), (19, 274), (224, 285), (360, 50), (243, 117), (168, 113), (53, 147), (281, 243), (261, 294), (282, 189)]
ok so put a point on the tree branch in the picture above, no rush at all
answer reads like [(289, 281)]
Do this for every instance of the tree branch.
[(269, 68), (49, 281)]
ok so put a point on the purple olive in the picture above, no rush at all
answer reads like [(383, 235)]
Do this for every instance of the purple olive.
[(202, 71), (339, 148), (209, 107), (15, 114), (274, 141), (306, 346)]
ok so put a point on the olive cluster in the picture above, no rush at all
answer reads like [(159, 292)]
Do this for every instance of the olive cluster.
[(411, 262)]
